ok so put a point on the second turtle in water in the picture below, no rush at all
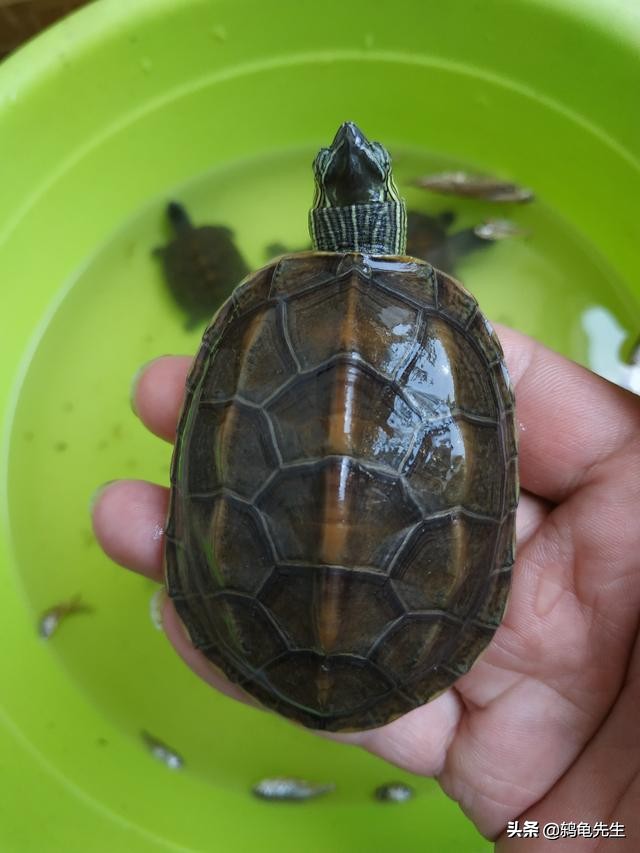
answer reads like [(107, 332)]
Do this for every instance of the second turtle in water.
[(344, 482), (201, 265)]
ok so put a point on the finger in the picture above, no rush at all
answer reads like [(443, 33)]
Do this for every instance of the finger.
[(531, 512), (129, 518), (128, 521), (570, 420), (416, 742), (157, 394), (179, 638)]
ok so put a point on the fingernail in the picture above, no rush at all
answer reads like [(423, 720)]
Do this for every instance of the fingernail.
[(134, 384), (93, 500), (156, 606), (182, 628), (137, 376)]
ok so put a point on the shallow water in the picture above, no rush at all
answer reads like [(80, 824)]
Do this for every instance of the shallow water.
[(74, 429)]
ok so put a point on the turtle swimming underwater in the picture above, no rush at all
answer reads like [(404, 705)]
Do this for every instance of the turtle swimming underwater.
[(429, 240), (344, 481), (201, 265)]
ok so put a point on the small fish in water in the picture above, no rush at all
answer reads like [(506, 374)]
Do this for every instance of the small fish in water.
[(289, 790), (634, 355), (201, 265), (608, 353), (474, 186), (498, 229), (50, 620), (394, 792), (162, 752), (633, 368)]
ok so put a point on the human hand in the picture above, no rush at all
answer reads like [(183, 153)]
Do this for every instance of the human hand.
[(544, 726)]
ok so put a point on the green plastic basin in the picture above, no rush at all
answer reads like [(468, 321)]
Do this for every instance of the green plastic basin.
[(221, 104)]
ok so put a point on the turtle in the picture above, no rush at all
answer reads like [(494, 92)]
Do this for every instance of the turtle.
[(201, 265), (428, 238), (344, 482)]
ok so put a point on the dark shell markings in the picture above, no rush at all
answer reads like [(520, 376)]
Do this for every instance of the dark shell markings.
[(344, 483), (344, 487)]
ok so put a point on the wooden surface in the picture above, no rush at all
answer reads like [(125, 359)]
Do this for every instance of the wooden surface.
[(20, 20)]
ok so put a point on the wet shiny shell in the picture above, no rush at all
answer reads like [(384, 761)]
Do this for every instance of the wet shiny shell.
[(344, 486)]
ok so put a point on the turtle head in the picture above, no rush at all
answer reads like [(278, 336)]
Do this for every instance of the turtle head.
[(353, 170), (356, 207)]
